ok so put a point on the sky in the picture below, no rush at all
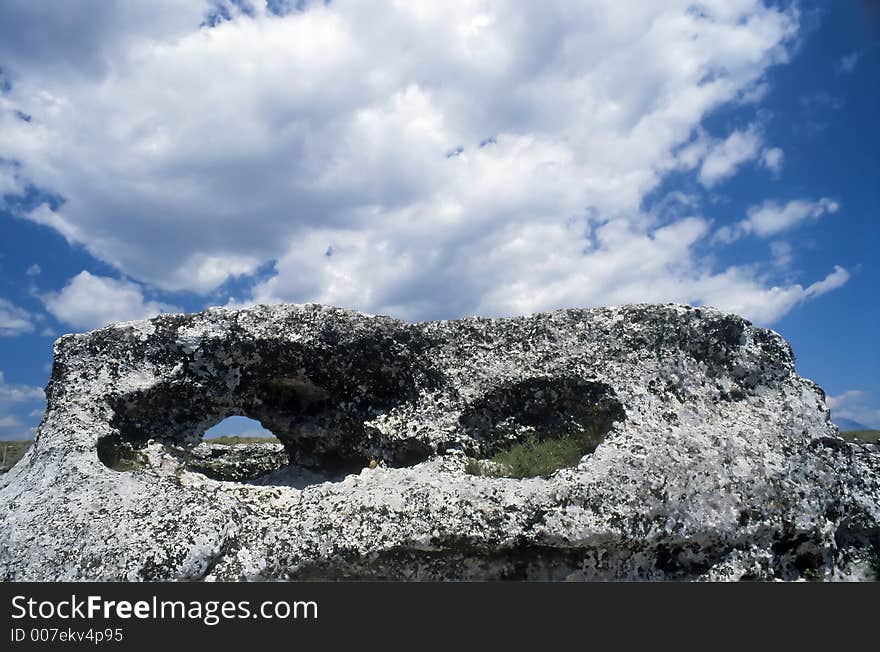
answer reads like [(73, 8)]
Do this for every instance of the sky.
[(433, 160)]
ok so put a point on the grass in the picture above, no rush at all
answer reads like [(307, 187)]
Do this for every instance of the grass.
[(127, 464), (541, 457), (537, 457), (473, 467), (14, 452), (813, 575), (868, 436)]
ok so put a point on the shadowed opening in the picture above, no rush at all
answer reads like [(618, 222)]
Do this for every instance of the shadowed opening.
[(317, 404), (236, 449), (536, 426)]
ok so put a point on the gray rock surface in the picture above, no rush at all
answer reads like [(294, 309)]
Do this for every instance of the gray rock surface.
[(718, 461)]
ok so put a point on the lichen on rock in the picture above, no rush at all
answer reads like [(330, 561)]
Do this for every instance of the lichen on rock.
[(715, 461)]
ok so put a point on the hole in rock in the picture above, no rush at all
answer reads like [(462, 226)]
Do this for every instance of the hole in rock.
[(533, 427), (237, 449), (316, 401)]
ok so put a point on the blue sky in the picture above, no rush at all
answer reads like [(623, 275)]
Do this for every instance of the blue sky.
[(439, 160)]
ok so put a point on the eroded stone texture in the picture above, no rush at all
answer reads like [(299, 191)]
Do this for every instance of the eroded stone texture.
[(719, 462)]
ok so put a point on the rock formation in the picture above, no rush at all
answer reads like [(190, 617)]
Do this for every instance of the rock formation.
[(717, 461)]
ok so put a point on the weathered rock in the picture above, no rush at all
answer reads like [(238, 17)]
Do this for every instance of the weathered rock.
[(718, 461)]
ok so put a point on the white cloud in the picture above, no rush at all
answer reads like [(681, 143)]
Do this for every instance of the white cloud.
[(327, 131), (783, 253), (834, 280), (14, 320), (857, 405), (33, 270), (847, 63), (15, 398), (90, 301), (12, 428), (10, 181), (739, 291), (755, 93), (771, 218), (44, 215), (772, 159), (12, 393), (84, 37), (820, 101), (725, 157)]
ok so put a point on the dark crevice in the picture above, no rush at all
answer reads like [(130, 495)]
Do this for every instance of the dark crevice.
[(228, 546), (536, 426), (542, 407), (465, 561)]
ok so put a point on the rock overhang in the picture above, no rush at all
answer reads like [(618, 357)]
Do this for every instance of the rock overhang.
[(713, 452)]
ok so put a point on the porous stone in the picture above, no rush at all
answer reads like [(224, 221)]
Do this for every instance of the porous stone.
[(718, 461)]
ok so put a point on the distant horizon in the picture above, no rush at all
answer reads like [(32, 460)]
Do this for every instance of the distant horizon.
[(175, 156), (239, 426)]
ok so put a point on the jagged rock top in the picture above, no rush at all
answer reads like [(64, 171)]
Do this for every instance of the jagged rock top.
[(718, 461)]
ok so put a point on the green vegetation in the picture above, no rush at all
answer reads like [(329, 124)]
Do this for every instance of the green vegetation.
[(122, 458), (867, 436), (473, 467), (14, 450), (232, 440), (538, 457), (813, 575), (128, 464)]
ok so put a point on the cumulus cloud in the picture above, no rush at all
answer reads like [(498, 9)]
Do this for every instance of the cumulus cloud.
[(83, 37), (771, 218), (14, 320), (320, 140), (857, 405), (90, 301), (724, 157), (736, 290), (10, 181), (772, 158)]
